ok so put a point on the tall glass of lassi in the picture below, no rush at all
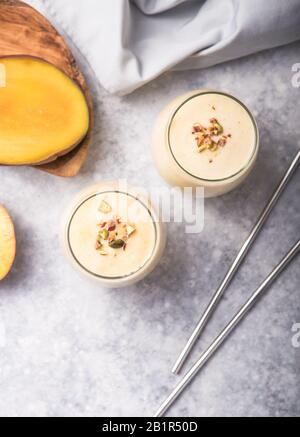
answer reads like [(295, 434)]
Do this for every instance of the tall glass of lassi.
[(113, 236), (205, 138)]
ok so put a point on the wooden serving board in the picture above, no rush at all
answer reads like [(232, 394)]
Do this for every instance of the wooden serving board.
[(24, 31)]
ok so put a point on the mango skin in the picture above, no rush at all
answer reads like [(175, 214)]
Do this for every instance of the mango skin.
[(43, 113), (7, 242)]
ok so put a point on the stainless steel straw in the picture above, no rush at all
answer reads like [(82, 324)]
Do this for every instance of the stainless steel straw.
[(235, 265), (225, 333)]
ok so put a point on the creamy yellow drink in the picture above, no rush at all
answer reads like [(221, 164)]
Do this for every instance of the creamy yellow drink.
[(207, 139), (112, 235)]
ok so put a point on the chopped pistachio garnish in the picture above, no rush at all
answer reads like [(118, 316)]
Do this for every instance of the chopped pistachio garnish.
[(104, 207), (104, 234), (98, 245), (210, 138), (113, 234), (215, 127), (117, 244), (130, 230)]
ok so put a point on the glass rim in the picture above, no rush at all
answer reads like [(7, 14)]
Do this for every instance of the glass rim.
[(111, 278), (252, 118)]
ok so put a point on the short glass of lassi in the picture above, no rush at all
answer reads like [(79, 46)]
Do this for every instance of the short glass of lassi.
[(206, 139), (113, 235)]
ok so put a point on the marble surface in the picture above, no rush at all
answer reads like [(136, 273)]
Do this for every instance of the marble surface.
[(71, 348)]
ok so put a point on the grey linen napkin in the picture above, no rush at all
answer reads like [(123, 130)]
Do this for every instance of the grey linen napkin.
[(130, 42)]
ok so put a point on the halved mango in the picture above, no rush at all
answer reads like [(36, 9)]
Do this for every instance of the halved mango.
[(7, 242), (43, 113)]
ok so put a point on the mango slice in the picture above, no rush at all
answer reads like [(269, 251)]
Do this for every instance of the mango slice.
[(43, 113), (7, 243)]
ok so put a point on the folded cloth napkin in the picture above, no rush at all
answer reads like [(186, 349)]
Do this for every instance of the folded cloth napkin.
[(130, 42)]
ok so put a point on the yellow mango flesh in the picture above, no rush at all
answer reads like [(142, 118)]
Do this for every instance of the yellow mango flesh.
[(43, 113), (7, 243)]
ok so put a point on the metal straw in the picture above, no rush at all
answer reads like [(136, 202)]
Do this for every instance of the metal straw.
[(229, 328), (234, 267)]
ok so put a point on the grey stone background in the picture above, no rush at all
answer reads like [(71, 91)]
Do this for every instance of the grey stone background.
[(71, 348)]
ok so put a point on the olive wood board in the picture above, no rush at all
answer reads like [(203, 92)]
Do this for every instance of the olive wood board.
[(24, 31)]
